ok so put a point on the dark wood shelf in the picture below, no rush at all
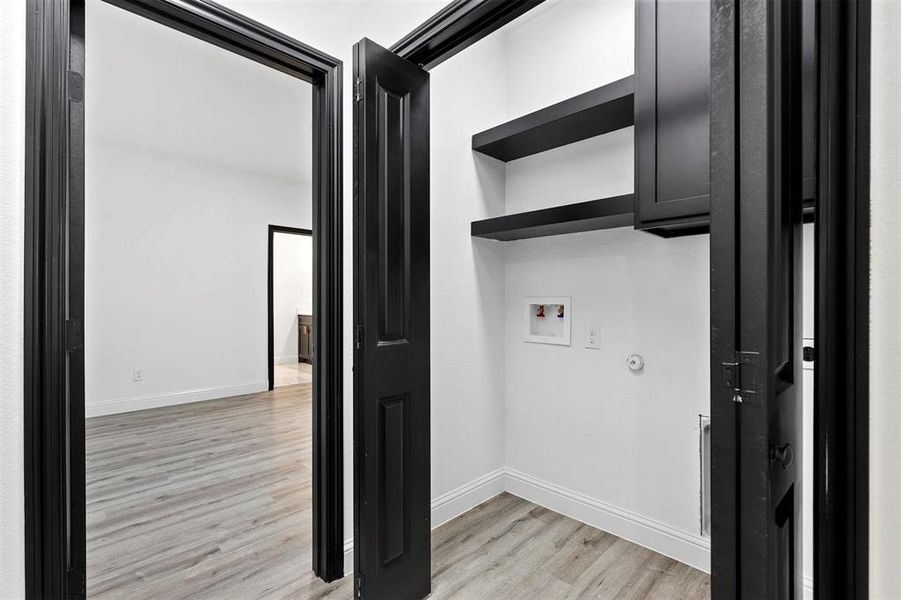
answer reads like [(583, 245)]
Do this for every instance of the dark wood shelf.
[(605, 109), (606, 213)]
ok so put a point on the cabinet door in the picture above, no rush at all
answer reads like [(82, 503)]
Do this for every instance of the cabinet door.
[(672, 114)]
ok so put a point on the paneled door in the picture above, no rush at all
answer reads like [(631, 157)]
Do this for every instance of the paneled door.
[(756, 348), (391, 326)]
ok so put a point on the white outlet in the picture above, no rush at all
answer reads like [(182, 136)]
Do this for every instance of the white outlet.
[(593, 336), (137, 375)]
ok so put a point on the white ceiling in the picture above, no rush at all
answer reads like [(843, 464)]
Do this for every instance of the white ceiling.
[(150, 86)]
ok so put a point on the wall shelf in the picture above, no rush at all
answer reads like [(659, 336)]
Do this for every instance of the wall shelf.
[(605, 109), (605, 213)]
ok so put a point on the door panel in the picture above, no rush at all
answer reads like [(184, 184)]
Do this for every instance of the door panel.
[(756, 187), (391, 319)]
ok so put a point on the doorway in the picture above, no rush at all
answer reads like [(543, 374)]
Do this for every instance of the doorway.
[(756, 351), (290, 357), (55, 343)]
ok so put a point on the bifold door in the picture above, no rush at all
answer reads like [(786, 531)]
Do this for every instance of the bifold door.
[(391, 324), (755, 235)]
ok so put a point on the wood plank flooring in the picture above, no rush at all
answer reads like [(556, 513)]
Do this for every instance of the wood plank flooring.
[(293, 373), (212, 501)]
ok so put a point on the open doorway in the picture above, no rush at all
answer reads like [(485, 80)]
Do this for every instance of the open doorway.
[(182, 430), (290, 332), (623, 463), (172, 153)]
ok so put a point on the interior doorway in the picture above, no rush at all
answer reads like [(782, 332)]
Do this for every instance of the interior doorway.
[(55, 398), (290, 304)]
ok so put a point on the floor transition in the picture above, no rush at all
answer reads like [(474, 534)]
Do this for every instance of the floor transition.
[(293, 373), (212, 500)]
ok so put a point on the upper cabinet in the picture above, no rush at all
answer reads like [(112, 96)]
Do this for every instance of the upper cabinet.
[(672, 116)]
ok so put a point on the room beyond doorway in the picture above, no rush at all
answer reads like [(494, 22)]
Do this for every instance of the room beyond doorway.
[(54, 484), (290, 306)]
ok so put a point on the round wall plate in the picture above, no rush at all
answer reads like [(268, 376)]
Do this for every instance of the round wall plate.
[(635, 362)]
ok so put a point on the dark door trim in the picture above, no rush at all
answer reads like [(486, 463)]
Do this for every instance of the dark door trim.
[(456, 27), (54, 168), (841, 388), (270, 289)]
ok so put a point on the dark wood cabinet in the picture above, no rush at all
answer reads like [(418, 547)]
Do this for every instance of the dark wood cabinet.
[(305, 338), (672, 116)]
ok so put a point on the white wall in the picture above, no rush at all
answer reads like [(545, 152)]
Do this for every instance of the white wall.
[(190, 153), (807, 489), (292, 291), (467, 285), (12, 246), (578, 421), (885, 307)]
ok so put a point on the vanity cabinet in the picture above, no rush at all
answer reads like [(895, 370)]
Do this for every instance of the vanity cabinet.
[(672, 116), (305, 338)]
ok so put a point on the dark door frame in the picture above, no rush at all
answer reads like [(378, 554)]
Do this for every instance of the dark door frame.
[(270, 290), (842, 375), (54, 286), (841, 513)]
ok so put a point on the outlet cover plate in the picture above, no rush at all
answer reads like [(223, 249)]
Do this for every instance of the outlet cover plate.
[(593, 336)]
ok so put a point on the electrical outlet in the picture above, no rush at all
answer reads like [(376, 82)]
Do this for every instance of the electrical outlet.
[(593, 336), (137, 375)]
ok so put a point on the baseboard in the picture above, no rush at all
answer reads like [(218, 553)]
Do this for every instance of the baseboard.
[(466, 497), (807, 582), (687, 548), (348, 556), (289, 359), (449, 506), (112, 407), (690, 549)]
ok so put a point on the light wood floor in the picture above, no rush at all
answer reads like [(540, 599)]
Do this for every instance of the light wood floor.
[(212, 501), (293, 373)]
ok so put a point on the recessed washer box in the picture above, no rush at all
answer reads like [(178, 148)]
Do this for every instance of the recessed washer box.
[(548, 319)]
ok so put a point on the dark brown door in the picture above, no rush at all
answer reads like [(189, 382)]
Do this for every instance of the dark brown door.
[(756, 181), (391, 324)]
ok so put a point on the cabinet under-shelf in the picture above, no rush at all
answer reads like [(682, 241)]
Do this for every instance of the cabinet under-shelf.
[(605, 213), (602, 110)]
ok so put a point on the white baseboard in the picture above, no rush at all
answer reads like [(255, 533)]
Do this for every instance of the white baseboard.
[(449, 506), (687, 548), (112, 407), (288, 359), (808, 588), (466, 497), (348, 556)]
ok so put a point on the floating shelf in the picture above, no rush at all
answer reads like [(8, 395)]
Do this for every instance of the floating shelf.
[(606, 109), (606, 213)]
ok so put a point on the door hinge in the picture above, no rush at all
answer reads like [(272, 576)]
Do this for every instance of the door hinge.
[(740, 375), (74, 335), (358, 337), (810, 354), (75, 87), (358, 93), (358, 586)]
